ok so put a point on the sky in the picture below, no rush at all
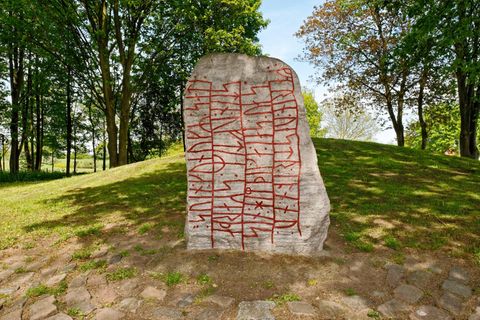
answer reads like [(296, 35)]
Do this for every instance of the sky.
[(278, 40)]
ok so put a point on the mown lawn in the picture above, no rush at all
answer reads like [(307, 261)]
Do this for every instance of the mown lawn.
[(382, 196)]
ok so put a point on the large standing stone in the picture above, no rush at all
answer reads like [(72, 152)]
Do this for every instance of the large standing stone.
[(253, 179)]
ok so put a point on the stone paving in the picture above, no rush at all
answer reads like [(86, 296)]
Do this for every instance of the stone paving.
[(70, 293)]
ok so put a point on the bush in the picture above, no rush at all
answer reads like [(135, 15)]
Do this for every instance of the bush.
[(24, 176)]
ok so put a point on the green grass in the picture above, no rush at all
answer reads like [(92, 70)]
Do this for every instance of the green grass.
[(121, 274), (144, 252), (204, 279), (284, 298), (82, 254), (173, 278), (431, 202), (350, 292), (144, 228), (93, 264), (89, 231), (42, 289)]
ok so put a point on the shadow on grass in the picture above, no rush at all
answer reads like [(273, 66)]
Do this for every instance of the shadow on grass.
[(380, 192), (158, 197)]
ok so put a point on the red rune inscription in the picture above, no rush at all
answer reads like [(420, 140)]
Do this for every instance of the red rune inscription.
[(244, 156)]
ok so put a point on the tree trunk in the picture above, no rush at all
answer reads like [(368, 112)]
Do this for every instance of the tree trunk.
[(104, 164), (2, 160), (469, 111), (69, 120), (39, 134), (26, 123), (15, 59), (423, 124), (124, 115), (75, 149)]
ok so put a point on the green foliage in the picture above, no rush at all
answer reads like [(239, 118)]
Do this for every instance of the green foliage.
[(443, 127), (314, 116)]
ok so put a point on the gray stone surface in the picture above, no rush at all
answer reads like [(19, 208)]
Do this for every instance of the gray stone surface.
[(451, 302), (185, 300), (300, 308), (153, 293), (9, 290), (43, 308), (255, 310), (78, 281), (167, 313), (59, 316), (115, 259), (5, 274), (457, 288), (209, 314), (408, 293), (395, 274), (459, 274), (12, 315), (475, 315), (331, 310), (22, 279), (100, 252), (221, 301), (130, 304), (79, 298), (55, 280), (109, 314), (420, 278), (253, 178), (429, 313), (394, 308), (355, 302)]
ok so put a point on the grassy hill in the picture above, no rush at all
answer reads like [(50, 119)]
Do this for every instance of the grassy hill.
[(382, 197)]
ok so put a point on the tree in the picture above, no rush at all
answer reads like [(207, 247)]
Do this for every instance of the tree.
[(454, 27), (314, 116), (353, 43), (341, 122), (443, 127)]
